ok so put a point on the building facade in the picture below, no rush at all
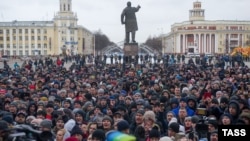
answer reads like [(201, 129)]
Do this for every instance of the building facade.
[(61, 35), (204, 36)]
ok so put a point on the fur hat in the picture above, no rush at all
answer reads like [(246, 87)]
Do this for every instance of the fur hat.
[(149, 115)]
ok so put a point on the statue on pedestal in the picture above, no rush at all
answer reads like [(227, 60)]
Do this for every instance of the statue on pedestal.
[(128, 18)]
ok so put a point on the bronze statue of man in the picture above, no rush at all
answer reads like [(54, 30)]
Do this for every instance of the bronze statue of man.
[(129, 19)]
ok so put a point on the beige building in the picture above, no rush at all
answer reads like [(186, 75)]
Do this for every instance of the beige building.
[(204, 36), (47, 37)]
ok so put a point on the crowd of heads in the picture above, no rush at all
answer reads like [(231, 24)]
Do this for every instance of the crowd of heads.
[(147, 101)]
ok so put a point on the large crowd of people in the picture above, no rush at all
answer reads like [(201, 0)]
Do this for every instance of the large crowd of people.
[(168, 99)]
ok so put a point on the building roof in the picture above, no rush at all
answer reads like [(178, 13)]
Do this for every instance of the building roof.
[(27, 23)]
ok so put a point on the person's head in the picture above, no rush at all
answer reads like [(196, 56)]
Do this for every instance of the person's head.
[(77, 133), (170, 115), (226, 119), (107, 122), (154, 135), (173, 129), (46, 125), (214, 136), (4, 129), (92, 126), (123, 126), (20, 117), (233, 108), (188, 122), (212, 125), (60, 134), (182, 113), (98, 135), (89, 137), (129, 4), (139, 116)]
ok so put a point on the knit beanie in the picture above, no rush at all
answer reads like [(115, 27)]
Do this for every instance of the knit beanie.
[(122, 125)]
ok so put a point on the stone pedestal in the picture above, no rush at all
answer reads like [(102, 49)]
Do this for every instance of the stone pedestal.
[(130, 49)]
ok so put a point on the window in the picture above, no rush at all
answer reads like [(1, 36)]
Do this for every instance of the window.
[(32, 45), (7, 31), (1, 31), (38, 38), (14, 38), (8, 45), (32, 31), (14, 45), (14, 31), (39, 45), (45, 38), (1, 38), (26, 38), (1, 45), (20, 52), (32, 38), (26, 52), (8, 38), (26, 46), (71, 31), (20, 38), (26, 31), (20, 31), (45, 31), (45, 45), (14, 52), (20, 46), (38, 31)]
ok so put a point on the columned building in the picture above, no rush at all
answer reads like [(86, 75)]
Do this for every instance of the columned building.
[(62, 34), (200, 36)]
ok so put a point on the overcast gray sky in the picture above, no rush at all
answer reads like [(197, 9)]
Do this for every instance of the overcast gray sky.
[(154, 18)]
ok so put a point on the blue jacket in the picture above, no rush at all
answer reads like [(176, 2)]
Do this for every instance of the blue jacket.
[(190, 112)]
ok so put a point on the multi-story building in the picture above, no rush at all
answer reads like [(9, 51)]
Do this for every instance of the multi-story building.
[(205, 36), (61, 35)]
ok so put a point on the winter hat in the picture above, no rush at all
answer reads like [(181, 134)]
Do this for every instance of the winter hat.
[(154, 133), (224, 100), (69, 125), (76, 130), (87, 104), (122, 125), (99, 134), (81, 113), (174, 126), (107, 118), (149, 115), (195, 119), (8, 119), (140, 112), (213, 123), (3, 125), (46, 123), (226, 115), (71, 139)]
